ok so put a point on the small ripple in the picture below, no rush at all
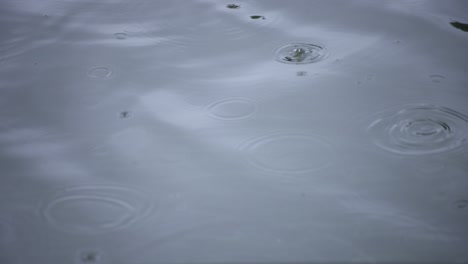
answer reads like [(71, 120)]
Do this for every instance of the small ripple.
[(100, 72), (435, 78), (95, 209), (90, 256), (300, 53), (461, 204), (232, 108), (293, 153), (120, 35), (419, 129)]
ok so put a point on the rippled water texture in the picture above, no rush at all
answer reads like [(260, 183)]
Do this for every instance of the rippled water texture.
[(250, 131), (95, 209), (420, 129)]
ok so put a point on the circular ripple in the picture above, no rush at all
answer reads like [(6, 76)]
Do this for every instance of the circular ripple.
[(420, 129), (295, 153), (95, 209), (436, 78), (232, 108), (100, 72), (120, 35), (300, 53)]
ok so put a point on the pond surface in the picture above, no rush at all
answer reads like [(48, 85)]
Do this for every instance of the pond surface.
[(233, 131)]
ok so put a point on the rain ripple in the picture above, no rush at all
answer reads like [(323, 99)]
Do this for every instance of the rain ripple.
[(232, 108), (288, 153), (300, 53), (95, 209), (419, 129)]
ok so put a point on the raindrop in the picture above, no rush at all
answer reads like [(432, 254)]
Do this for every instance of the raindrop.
[(257, 17), (300, 53), (288, 153), (232, 108), (120, 35), (100, 72), (435, 78), (461, 204), (419, 129), (95, 209), (233, 6)]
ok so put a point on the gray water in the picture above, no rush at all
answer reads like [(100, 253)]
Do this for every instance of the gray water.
[(233, 131)]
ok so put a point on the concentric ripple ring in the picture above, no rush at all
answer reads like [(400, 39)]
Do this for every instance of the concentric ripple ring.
[(232, 108), (95, 209), (300, 53), (419, 129), (288, 152)]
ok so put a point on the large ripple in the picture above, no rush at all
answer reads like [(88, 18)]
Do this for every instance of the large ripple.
[(294, 153), (95, 209), (419, 129)]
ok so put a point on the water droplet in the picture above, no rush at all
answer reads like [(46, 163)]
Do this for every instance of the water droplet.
[(461, 204), (95, 209), (124, 114), (301, 73), (289, 153), (233, 6), (120, 35), (100, 72), (232, 108), (435, 78), (300, 53), (257, 17), (419, 129)]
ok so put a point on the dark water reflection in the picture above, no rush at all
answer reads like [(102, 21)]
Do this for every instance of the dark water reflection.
[(246, 131)]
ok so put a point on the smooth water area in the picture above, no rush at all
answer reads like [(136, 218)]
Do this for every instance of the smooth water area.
[(214, 131)]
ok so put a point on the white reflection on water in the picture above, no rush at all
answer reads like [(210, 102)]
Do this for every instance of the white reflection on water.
[(248, 159)]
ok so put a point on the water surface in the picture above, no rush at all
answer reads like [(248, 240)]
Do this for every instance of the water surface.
[(233, 131)]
